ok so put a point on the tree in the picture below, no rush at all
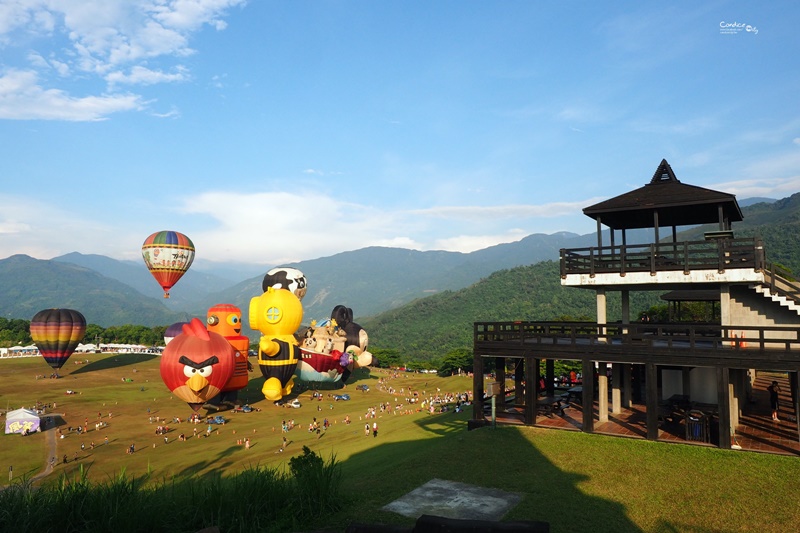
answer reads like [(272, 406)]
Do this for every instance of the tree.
[(455, 361)]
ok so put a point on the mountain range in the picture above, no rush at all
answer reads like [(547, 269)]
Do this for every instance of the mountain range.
[(371, 280)]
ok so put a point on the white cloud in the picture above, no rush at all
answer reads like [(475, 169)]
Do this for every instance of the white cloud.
[(470, 243), (22, 98), (139, 75), (110, 39), (475, 213)]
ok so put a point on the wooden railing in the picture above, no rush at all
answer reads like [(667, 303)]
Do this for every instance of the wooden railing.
[(716, 254), (781, 281), (638, 337)]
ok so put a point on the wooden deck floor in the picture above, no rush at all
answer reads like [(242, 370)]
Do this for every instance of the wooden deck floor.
[(755, 432)]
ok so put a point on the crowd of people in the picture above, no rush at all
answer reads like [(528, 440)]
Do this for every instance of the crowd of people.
[(402, 400)]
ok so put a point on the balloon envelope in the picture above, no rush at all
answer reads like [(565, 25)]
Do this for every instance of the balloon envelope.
[(168, 255), (173, 331), (57, 332)]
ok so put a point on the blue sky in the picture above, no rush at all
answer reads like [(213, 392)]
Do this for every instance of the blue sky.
[(272, 132)]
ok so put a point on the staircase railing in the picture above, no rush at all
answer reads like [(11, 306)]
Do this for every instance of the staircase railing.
[(780, 281)]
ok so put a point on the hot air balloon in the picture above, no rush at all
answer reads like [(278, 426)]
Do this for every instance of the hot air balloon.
[(277, 314), (57, 332), (168, 255), (197, 364), (226, 319), (173, 331)]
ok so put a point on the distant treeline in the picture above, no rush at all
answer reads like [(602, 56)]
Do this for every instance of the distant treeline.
[(16, 331)]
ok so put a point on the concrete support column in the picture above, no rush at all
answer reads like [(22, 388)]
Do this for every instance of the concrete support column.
[(725, 305), (627, 385), (602, 313), (602, 392), (616, 388)]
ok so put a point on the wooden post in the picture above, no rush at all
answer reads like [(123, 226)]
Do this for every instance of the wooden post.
[(588, 395), (477, 387), (724, 407), (532, 378), (602, 393), (651, 379)]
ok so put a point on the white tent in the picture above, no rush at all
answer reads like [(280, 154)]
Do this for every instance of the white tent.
[(22, 420)]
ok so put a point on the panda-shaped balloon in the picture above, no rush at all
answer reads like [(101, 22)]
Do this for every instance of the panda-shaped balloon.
[(287, 278)]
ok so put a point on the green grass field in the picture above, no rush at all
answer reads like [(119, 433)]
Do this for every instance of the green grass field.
[(574, 481)]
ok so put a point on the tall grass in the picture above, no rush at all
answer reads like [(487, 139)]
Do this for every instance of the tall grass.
[(256, 499)]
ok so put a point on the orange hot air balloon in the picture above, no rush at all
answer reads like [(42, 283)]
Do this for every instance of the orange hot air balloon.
[(226, 319), (57, 332), (168, 255)]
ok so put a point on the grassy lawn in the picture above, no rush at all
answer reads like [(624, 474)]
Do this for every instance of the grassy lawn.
[(577, 482)]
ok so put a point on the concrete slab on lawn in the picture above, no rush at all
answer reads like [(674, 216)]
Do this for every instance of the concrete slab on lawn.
[(451, 499)]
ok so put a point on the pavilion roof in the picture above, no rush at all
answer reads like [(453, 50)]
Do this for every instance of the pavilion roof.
[(676, 203)]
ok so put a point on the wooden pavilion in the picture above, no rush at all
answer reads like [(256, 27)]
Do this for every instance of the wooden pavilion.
[(692, 372)]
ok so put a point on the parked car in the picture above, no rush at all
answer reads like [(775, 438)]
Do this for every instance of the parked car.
[(343, 397), (365, 388), (289, 403), (219, 419)]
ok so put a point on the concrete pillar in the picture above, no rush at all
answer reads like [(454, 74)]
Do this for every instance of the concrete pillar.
[(602, 313), (602, 392), (627, 385), (616, 388), (725, 304)]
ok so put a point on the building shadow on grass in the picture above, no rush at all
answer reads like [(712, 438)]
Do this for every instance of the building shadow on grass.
[(497, 459)]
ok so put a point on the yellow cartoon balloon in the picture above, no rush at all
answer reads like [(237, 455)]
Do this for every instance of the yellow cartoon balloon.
[(277, 314)]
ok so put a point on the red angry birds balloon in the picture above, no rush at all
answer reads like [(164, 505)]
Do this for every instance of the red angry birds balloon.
[(197, 364)]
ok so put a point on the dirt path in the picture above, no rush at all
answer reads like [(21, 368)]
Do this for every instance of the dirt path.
[(50, 442)]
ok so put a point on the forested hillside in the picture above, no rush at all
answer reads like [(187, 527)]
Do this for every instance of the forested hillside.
[(429, 328)]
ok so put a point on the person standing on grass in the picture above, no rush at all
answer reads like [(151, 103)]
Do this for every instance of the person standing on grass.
[(774, 390), (374, 429)]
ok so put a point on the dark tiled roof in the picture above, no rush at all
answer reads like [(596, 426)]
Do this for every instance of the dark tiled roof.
[(677, 204), (688, 295)]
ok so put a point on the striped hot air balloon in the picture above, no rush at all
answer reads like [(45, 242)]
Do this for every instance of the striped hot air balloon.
[(168, 255), (57, 332)]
